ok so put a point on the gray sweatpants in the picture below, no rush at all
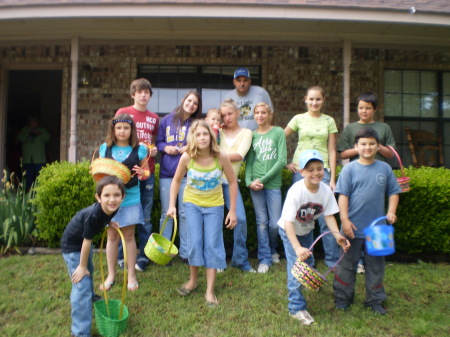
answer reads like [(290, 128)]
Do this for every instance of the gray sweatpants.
[(345, 278)]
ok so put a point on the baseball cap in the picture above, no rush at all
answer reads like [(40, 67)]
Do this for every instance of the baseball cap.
[(241, 72), (308, 155)]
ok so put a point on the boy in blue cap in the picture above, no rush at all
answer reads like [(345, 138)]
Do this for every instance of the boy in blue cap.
[(306, 200)]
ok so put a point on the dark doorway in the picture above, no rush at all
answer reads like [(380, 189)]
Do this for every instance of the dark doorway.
[(34, 93)]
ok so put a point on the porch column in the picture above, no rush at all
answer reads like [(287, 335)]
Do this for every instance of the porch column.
[(347, 57), (74, 47)]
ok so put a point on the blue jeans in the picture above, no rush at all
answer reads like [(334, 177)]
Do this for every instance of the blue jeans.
[(296, 301), (205, 236), (145, 229), (164, 191), (240, 251), (268, 205), (81, 296), (32, 172), (330, 246)]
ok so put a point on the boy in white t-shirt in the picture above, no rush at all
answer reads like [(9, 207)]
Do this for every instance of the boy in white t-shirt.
[(306, 200)]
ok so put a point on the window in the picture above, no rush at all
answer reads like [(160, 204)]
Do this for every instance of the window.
[(418, 99), (170, 84)]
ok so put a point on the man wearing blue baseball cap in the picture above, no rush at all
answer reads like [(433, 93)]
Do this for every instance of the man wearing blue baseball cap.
[(246, 97)]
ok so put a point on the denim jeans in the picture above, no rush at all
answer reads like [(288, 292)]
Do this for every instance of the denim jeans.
[(145, 229), (240, 251), (268, 205), (330, 246), (164, 191), (345, 278), (81, 295), (205, 236), (296, 300)]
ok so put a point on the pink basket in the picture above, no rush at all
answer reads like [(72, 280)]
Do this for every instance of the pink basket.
[(402, 181)]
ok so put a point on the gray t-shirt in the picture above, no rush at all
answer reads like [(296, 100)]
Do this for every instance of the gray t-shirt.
[(366, 186), (247, 103)]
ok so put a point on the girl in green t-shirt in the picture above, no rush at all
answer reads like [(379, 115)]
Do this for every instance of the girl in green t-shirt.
[(265, 160)]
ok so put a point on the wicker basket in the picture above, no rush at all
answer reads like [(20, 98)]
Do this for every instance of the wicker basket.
[(159, 249), (309, 277), (111, 316), (402, 181), (101, 167)]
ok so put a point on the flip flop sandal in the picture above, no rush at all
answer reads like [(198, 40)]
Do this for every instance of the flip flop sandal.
[(106, 286), (133, 286), (185, 291)]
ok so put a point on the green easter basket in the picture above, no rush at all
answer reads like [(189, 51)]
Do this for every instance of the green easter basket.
[(159, 249), (111, 316)]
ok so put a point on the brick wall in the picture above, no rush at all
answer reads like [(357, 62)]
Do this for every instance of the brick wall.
[(287, 72)]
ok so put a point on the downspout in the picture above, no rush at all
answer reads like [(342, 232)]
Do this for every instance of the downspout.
[(75, 43), (347, 57)]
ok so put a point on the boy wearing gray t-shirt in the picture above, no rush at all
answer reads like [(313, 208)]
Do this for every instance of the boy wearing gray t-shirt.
[(362, 187)]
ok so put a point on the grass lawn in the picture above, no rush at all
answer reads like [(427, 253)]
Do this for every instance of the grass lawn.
[(34, 301)]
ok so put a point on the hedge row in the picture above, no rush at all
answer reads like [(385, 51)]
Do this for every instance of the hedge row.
[(423, 214)]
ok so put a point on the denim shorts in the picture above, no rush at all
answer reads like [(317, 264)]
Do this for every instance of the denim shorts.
[(131, 215)]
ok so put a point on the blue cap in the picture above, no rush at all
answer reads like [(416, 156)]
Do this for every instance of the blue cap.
[(308, 155), (241, 72)]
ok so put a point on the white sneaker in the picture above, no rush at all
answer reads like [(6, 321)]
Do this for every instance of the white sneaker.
[(361, 269), (220, 270), (276, 258), (303, 316), (263, 268)]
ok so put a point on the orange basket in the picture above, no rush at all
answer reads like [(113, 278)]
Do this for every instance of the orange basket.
[(402, 181)]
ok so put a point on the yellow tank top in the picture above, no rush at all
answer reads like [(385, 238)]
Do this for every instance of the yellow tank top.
[(204, 184)]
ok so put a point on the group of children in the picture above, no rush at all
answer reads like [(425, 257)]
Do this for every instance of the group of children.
[(200, 160)]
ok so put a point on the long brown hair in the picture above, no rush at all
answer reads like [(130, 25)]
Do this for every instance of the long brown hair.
[(192, 148), (111, 136), (179, 111)]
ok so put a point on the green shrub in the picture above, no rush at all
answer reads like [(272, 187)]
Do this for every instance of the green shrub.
[(16, 213), (424, 212), (63, 189)]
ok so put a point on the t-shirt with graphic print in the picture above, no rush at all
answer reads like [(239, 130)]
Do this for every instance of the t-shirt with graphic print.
[(266, 158), (302, 206), (246, 104), (312, 134)]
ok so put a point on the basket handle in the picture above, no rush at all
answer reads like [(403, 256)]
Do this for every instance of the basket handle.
[(317, 239), (124, 287), (374, 222), (398, 158), (174, 229)]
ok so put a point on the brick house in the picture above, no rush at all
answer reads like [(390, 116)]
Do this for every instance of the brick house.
[(71, 62)]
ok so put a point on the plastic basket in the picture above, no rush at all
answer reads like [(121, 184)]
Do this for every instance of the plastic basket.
[(111, 316), (309, 277), (159, 249), (379, 239), (402, 181), (110, 325)]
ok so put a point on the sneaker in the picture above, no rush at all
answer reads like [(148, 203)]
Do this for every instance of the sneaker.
[(220, 270), (276, 258), (378, 308), (251, 270), (303, 316), (140, 266), (342, 306), (263, 268), (120, 263), (360, 269)]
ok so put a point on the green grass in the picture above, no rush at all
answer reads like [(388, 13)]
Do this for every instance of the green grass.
[(34, 301)]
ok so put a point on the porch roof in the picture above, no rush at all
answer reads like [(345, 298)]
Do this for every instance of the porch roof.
[(423, 23)]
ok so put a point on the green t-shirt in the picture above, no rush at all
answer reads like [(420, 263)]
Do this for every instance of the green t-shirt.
[(312, 134), (347, 140), (266, 158)]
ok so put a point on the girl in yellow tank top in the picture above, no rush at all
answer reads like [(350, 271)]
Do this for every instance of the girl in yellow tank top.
[(203, 202)]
